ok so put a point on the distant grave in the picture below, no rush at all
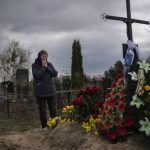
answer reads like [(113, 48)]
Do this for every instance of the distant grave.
[(7, 87), (22, 82)]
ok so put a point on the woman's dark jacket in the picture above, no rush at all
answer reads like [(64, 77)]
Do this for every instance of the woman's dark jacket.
[(43, 82)]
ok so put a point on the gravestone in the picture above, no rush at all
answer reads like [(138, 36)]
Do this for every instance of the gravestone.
[(7, 87), (22, 82)]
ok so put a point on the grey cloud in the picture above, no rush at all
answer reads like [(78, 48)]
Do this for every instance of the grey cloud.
[(40, 24), (32, 15)]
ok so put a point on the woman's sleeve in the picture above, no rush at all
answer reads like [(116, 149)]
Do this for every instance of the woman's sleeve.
[(51, 70), (37, 73)]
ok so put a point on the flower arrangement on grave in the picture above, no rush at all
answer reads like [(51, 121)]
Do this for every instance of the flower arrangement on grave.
[(85, 108), (109, 117), (141, 98), (88, 102), (114, 122)]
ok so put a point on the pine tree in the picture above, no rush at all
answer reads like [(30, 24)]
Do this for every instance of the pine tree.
[(118, 67), (77, 73), (74, 63)]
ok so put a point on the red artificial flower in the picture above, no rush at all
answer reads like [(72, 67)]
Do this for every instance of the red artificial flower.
[(102, 109), (81, 92), (107, 95), (123, 100), (112, 103), (112, 135), (87, 90), (107, 103), (94, 89), (98, 102), (113, 85), (113, 90), (107, 125), (78, 101), (121, 82), (127, 121), (121, 107), (109, 111), (122, 92), (116, 120), (95, 116), (119, 75), (113, 94), (120, 100), (100, 127), (121, 131)]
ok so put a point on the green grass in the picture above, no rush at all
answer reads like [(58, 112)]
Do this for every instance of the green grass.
[(18, 122)]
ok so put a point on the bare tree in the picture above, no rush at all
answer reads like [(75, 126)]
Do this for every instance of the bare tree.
[(12, 57)]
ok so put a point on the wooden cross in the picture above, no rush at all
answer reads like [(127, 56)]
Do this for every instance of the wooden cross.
[(127, 20)]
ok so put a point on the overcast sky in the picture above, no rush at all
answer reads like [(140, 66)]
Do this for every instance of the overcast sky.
[(54, 24)]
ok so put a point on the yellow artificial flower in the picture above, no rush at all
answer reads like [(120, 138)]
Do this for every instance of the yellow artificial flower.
[(64, 109), (147, 87), (71, 107), (88, 128), (59, 118), (53, 121), (67, 107)]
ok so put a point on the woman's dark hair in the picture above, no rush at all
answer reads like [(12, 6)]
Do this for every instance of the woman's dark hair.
[(41, 53)]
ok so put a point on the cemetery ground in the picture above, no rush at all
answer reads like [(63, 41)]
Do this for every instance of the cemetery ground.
[(18, 122), (22, 132)]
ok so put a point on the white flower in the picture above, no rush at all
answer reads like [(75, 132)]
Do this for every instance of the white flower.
[(144, 65), (136, 101), (145, 126), (134, 76)]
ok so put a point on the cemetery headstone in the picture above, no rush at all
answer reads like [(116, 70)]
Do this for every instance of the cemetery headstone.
[(22, 82)]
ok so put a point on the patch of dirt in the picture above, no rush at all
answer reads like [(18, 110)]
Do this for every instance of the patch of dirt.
[(67, 137)]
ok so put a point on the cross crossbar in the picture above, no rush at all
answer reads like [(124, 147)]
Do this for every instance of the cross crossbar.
[(126, 19)]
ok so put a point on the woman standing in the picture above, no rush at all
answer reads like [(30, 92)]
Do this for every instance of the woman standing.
[(44, 88)]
